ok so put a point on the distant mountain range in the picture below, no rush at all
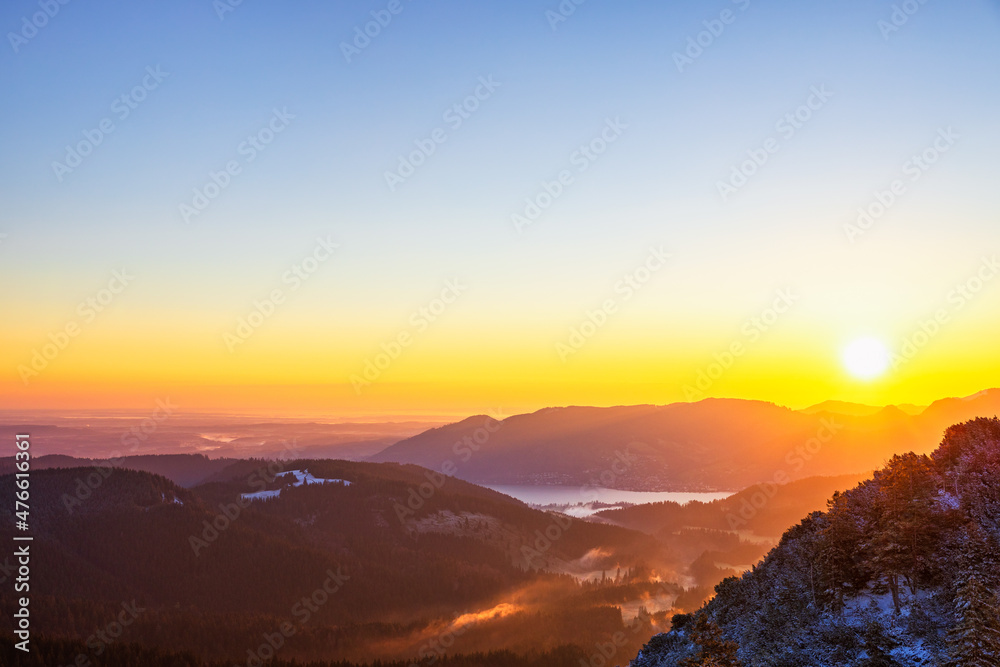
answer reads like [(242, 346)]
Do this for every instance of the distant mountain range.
[(858, 409), (712, 445), (715, 444)]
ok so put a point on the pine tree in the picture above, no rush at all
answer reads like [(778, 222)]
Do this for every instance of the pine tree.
[(975, 640), (714, 650), (903, 515), (841, 570)]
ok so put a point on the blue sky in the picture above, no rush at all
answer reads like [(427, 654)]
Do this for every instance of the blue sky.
[(558, 86)]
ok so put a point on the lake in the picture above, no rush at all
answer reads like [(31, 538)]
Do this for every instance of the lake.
[(583, 501)]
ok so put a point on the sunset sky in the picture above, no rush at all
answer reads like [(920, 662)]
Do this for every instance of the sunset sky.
[(922, 278)]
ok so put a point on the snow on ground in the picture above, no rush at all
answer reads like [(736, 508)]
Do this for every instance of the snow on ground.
[(262, 495), (873, 602), (301, 477), (868, 602), (949, 501), (174, 499), (305, 477)]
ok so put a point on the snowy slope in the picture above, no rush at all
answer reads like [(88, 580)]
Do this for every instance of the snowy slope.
[(302, 477)]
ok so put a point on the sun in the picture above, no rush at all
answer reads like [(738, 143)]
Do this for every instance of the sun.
[(866, 358)]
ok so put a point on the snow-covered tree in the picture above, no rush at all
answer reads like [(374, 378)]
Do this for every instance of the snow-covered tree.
[(714, 650), (975, 640), (877, 646)]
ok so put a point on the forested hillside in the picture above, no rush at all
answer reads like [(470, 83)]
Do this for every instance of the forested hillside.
[(902, 570), (386, 561), (764, 510), (56, 653)]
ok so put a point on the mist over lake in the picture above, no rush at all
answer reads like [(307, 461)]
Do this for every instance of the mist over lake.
[(583, 501)]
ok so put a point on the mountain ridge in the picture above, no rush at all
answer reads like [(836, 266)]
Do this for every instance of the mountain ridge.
[(710, 445)]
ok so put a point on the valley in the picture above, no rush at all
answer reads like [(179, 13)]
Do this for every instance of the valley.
[(428, 566)]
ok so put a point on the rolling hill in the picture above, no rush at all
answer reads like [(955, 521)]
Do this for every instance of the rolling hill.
[(379, 563)]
